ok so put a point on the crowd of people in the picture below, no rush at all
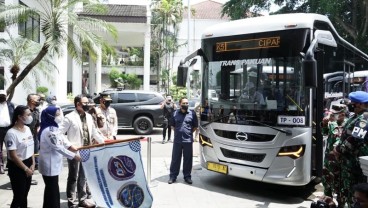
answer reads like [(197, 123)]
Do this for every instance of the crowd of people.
[(345, 127), (38, 136)]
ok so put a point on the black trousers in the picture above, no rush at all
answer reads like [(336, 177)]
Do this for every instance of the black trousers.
[(51, 196), (168, 128), (76, 179), (20, 183), (3, 131), (185, 149)]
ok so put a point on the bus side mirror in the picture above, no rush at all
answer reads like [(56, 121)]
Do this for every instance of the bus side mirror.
[(182, 74), (310, 72)]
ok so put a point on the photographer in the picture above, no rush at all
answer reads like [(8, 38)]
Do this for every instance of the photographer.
[(360, 198)]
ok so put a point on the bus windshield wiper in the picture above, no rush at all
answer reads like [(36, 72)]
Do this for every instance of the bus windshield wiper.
[(287, 132), (217, 119)]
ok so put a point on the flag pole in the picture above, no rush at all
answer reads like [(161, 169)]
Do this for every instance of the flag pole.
[(110, 143), (149, 159)]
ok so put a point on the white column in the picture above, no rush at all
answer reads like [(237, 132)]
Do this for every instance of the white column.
[(147, 51), (92, 76), (75, 71), (61, 76), (77, 78), (98, 71)]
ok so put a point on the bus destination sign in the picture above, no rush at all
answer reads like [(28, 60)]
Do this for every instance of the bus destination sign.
[(251, 44)]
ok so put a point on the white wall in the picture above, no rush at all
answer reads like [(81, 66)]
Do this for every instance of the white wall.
[(197, 26)]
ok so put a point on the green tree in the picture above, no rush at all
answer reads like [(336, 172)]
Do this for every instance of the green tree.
[(74, 33), (19, 52), (42, 90), (113, 76), (166, 15), (350, 18)]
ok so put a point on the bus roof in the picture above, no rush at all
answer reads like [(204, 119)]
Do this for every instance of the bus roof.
[(275, 23), (264, 24), (359, 74)]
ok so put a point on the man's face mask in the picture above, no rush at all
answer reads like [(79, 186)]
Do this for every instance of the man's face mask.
[(351, 107), (107, 104)]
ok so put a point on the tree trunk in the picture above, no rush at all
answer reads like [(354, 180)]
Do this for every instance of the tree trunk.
[(25, 72)]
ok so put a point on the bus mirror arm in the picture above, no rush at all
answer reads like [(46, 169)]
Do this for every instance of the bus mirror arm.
[(287, 131), (198, 52), (310, 66)]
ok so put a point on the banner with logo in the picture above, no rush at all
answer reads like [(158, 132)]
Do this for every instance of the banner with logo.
[(115, 174)]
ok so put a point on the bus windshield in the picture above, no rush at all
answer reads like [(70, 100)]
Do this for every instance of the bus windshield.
[(258, 90)]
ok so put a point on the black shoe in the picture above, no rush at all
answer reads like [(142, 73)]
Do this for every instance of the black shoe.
[(171, 180), (169, 140), (163, 141), (188, 181), (86, 203)]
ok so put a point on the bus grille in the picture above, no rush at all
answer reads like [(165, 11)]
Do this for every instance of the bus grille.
[(243, 156), (251, 137)]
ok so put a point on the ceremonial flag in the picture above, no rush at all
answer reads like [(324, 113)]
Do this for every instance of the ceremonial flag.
[(115, 174)]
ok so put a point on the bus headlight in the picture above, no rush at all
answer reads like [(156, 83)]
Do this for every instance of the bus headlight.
[(205, 141), (294, 152)]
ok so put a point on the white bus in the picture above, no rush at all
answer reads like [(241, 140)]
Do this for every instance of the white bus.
[(277, 142)]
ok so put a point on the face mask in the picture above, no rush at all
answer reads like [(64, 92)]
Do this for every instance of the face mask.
[(53, 102), (351, 107), (85, 108), (37, 104), (59, 119), (2, 99), (28, 120), (184, 107), (107, 104)]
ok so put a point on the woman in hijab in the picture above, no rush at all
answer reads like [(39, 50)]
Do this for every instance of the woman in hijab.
[(53, 146)]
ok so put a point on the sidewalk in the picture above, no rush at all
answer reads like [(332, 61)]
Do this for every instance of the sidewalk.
[(209, 189), (161, 190)]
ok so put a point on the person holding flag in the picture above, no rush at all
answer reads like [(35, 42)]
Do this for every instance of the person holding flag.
[(81, 131), (53, 146)]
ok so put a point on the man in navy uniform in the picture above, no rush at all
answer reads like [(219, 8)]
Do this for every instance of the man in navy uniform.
[(184, 123)]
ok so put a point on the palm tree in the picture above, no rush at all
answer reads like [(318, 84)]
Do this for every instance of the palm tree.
[(167, 14), (60, 25), (19, 52)]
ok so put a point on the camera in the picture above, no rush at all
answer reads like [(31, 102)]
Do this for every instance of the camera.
[(319, 204)]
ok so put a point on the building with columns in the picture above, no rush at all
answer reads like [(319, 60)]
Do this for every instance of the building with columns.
[(132, 21)]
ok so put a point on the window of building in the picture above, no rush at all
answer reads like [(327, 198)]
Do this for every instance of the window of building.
[(2, 24), (31, 28), (2, 78)]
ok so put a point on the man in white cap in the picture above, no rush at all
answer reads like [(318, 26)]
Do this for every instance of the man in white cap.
[(6, 115)]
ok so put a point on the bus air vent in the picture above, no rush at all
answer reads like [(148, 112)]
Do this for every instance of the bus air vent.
[(243, 156)]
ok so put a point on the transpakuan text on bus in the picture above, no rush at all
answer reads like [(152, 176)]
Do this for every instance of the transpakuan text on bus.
[(266, 81)]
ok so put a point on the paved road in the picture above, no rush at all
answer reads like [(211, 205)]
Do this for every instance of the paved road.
[(209, 189)]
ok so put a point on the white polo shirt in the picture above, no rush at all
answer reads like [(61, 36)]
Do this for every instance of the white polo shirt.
[(21, 142)]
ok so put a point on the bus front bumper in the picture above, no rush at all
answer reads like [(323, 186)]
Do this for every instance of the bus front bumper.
[(282, 171)]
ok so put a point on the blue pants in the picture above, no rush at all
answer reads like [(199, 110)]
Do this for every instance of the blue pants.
[(179, 149)]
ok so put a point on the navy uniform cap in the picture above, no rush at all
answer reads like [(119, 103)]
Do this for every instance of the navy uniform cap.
[(359, 97)]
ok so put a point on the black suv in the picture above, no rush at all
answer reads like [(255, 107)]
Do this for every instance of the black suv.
[(136, 108)]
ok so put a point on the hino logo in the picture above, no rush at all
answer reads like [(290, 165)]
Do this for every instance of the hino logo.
[(241, 136)]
